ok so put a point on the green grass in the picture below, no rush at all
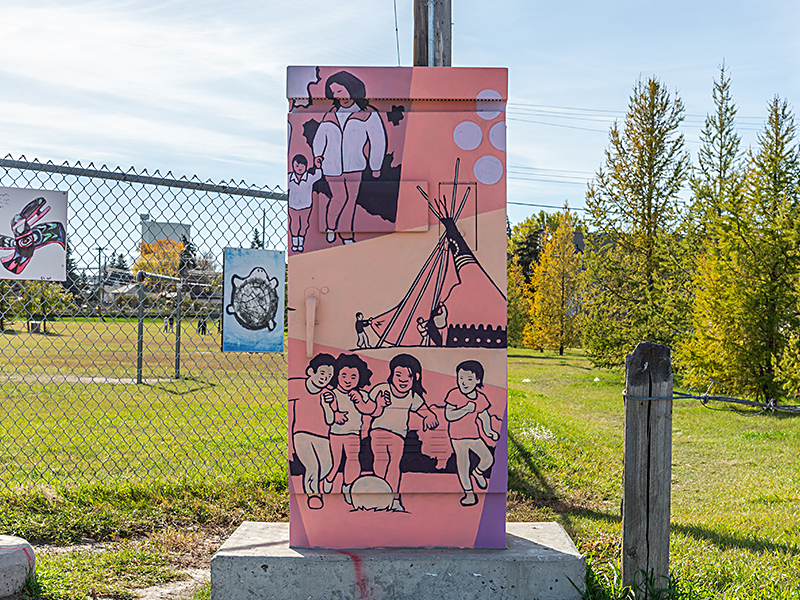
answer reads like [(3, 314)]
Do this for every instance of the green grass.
[(735, 485), (114, 572), (226, 413), (152, 530), (735, 490)]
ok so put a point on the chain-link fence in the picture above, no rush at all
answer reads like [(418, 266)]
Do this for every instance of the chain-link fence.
[(74, 407)]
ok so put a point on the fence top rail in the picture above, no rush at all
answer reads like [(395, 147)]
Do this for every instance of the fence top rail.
[(132, 177)]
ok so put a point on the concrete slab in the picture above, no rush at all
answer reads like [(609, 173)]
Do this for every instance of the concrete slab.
[(257, 563), (17, 559)]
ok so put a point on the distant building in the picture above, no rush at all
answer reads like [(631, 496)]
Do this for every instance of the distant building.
[(153, 231)]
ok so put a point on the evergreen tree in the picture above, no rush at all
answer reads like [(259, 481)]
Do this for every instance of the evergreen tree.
[(635, 286), (187, 259), (517, 294), (746, 305), (717, 181), (256, 242), (120, 263), (555, 302), (72, 283)]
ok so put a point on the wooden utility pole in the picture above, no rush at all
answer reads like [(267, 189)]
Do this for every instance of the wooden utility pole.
[(432, 33), (647, 471)]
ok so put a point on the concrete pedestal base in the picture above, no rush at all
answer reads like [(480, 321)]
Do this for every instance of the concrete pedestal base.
[(257, 563), (16, 561)]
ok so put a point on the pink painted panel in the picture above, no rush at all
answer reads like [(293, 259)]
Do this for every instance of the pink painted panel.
[(397, 323)]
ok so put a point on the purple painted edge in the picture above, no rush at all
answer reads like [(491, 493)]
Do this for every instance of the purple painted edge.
[(498, 484), (297, 531), (492, 528)]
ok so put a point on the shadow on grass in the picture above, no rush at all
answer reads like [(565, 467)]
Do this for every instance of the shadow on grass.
[(729, 540), (542, 494), (564, 360), (176, 388), (45, 334)]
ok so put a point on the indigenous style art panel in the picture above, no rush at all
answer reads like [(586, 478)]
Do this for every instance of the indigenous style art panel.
[(397, 307), (33, 234), (252, 301)]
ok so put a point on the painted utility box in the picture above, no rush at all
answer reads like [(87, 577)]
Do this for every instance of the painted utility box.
[(397, 307)]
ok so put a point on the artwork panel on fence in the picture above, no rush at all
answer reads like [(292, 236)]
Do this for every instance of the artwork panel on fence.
[(253, 300), (33, 234)]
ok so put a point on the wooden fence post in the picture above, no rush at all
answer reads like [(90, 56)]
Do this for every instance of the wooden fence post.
[(648, 465)]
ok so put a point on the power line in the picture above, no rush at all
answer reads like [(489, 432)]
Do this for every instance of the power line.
[(542, 206), (528, 106), (546, 180), (550, 170), (556, 125)]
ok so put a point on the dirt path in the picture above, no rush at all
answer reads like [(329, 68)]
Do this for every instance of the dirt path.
[(176, 589)]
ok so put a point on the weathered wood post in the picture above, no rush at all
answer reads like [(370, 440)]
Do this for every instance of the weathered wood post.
[(647, 471)]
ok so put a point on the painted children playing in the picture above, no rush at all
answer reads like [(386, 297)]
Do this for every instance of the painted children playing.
[(394, 401), (348, 403), (310, 424), (465, 407)]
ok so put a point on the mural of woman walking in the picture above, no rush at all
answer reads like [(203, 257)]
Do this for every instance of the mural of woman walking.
[(350, 137)]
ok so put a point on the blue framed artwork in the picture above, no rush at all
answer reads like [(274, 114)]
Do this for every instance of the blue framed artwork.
[(253, 300)]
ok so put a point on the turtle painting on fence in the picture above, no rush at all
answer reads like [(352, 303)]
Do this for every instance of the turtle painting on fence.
[(252, 306)]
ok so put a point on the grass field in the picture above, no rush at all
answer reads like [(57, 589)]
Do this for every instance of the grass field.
[(735, 485), (71, 411), (735, 493)]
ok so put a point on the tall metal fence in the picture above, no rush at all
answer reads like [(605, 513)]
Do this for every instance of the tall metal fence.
[(72, 408)]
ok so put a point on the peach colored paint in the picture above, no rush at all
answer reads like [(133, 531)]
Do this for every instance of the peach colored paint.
[(430, 292)]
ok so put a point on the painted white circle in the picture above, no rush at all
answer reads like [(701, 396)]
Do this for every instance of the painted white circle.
[(487, 104), (488, 169), (468, 135), (497, 136)]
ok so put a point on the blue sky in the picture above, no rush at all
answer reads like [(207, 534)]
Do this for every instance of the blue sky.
[(198, 87)]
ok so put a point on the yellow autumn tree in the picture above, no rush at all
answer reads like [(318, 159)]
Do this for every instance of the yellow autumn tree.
[(555, 302), (161, 257)]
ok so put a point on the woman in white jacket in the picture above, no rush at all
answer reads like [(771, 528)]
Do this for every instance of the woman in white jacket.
[(351, 135)]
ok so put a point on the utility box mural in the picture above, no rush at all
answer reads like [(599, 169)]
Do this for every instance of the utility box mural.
[(397, 307)]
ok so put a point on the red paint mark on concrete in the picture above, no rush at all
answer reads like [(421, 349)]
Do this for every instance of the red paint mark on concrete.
[(24, 549), (361, 577)]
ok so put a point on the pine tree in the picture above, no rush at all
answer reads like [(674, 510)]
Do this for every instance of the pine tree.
[(120, 263), (747, 302), (635, 286), (72, 283), (256, 242), (187, 259), (556, 299), (517, 293), (717, 181)]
